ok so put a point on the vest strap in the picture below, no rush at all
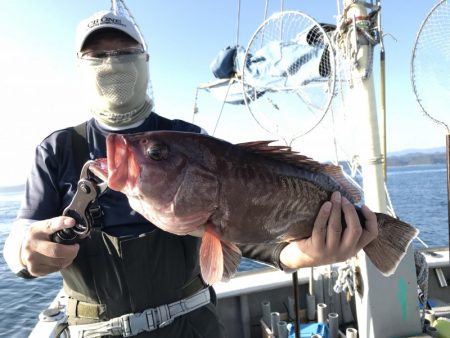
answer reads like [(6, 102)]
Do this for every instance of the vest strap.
[(131, 324), (79, 309)]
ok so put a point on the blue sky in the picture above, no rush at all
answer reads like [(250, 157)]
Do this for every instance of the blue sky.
[(41, 90)]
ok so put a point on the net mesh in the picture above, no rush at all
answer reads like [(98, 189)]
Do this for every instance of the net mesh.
[(289, 74), (431, 63)]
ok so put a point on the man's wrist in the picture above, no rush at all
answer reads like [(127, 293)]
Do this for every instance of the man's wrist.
[(13, 245)]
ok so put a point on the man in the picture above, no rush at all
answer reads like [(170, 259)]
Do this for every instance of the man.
[(131, 266)]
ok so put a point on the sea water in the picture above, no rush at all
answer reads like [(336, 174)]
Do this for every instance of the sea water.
[(418, 194)]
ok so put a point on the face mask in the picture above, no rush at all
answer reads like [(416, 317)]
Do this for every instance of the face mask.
[(117, 88)]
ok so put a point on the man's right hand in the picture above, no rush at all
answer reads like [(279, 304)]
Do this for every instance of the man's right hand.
[(39, 254)]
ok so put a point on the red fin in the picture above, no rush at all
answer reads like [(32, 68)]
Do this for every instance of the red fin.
[(211, 257), (218, 259)]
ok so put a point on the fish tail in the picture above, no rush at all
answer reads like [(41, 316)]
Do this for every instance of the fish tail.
[(218, 259), (388, 249)]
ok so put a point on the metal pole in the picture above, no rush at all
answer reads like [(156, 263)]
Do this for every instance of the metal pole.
[(296, 298), (383, 111), (382, 93), (448, 184), (311, 298)]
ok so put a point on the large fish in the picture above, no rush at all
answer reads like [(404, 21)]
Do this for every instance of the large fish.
[(245, 193)]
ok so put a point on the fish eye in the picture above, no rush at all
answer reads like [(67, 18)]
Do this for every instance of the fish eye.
[(157, 152)]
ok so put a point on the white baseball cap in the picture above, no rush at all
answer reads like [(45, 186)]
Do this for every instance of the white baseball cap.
[(106, 19)]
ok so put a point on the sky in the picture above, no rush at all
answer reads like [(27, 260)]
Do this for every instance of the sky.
[(42, 92)]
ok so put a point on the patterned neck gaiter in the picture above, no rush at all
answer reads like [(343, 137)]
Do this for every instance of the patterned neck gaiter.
[(117, 88)]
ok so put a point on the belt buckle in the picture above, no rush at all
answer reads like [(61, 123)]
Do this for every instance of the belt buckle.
[(156, 312), (126, 324)]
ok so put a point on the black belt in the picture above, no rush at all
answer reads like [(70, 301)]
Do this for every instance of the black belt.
[(193, 286)]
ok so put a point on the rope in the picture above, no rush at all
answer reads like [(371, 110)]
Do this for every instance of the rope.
[(238, 22), (422, 282), (223, 105), (366, 27), (266, 8), (344, 281), (195, 110)]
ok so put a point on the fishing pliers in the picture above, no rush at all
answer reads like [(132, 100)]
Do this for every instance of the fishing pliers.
[(83, 208)]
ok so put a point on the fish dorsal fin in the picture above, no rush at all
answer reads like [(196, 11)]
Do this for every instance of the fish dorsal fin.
[(286, 155)]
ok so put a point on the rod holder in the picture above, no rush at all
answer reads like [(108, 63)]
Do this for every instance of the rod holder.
[(322, 312), (265, 308), (291, 307), (333, 325), (274, 320), (351, 333), (310, 307), (282, 329)]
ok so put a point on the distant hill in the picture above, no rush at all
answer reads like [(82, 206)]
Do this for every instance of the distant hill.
[(411, 157), (416, 157), (417, 151)]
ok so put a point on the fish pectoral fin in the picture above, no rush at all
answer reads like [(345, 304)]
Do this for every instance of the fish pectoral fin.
[(218, 259), (231, 259), (211, 257)]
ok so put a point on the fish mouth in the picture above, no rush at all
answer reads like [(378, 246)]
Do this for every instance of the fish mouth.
[(99, 168), (121, 170)]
